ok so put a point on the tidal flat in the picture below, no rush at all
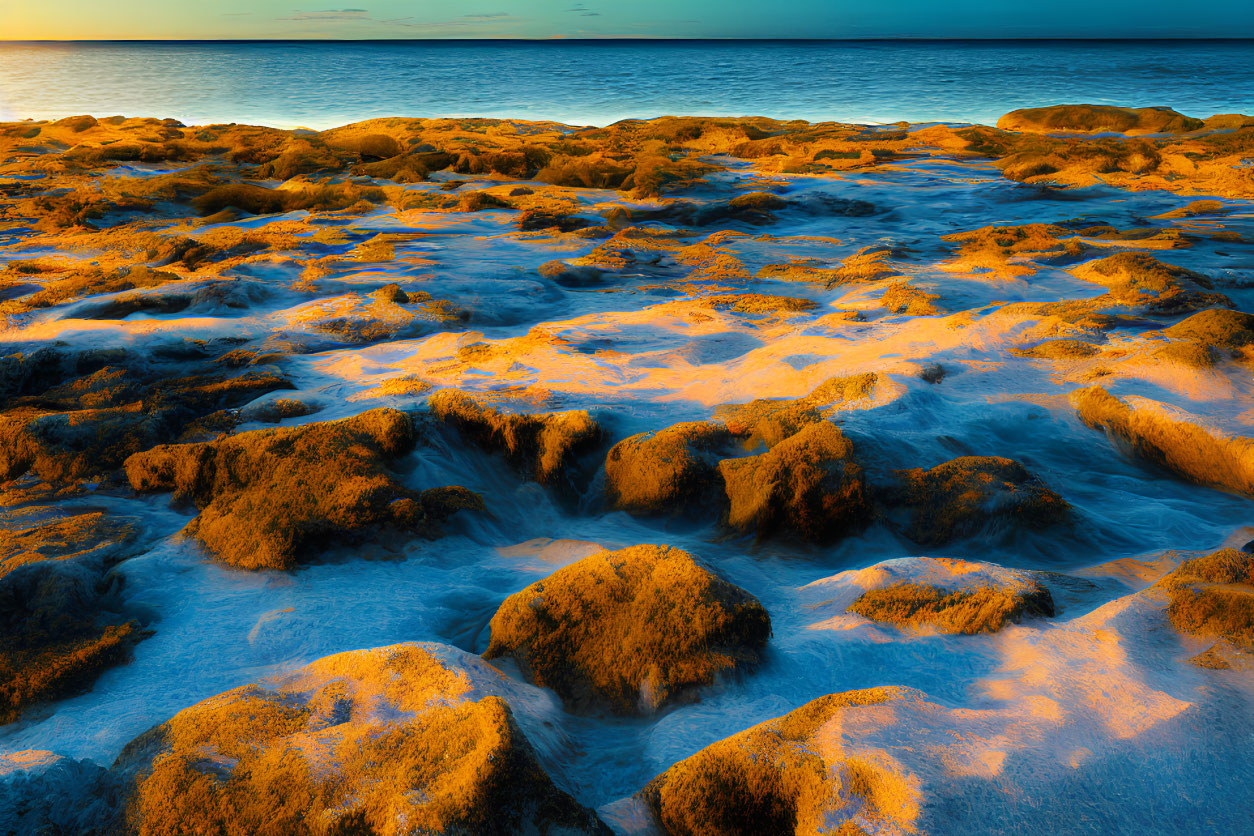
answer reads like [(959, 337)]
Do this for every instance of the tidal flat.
[(678, 476)]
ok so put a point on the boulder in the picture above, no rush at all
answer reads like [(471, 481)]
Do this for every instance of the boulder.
[(808, 484), (266, 496), (631, 630), (1212, 598), (1084, 118), (963, 496), (790, 776), (412, 738), (668, 471)]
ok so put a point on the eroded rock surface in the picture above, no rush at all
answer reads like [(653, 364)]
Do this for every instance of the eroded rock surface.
[(632, 630)]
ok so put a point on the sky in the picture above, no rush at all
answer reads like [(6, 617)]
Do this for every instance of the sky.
[(215, 19)]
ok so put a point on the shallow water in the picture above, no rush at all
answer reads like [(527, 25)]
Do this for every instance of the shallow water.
[(320, 85)]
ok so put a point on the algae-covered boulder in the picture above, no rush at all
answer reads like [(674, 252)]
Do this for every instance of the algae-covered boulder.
[(1139, 280), (58, 632), (266, 495), (965, 495), (1217, 328), (1212, 597), (669, 470), (630, 630), (946, 595), (770, 421), (808, 484), (541, 445), (1191, 450), (952, 596), (396, 740), (1060, 350), (790, 775), (60, 624), (1086, 118), (87, 426)]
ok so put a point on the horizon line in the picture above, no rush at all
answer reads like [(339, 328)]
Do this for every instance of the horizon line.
[(652, 38)]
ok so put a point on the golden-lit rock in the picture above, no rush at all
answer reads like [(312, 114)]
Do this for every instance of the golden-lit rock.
[(667, 471), (542, 445), (1098, 119), (1212, 597), (1191, 450), (790, 776), (966, 495), (1141, 281), (808, 485), (267, 496), (396, 740), (631, 630)]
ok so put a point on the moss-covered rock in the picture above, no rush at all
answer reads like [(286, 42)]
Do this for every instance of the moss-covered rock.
[(809, 485), (668, 471), (1217, 328), (1212, 597), (1087, 118), (1190, 450), (542, 445), (402, 739), (979, 609), (1140, 281), (781, 777), (630, 630), (265, 496), (965, 495)]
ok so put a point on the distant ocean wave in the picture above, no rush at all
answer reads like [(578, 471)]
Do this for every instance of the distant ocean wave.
[(321, 84)]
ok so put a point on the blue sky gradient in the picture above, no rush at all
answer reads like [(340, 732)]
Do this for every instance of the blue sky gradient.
[(213, 19)]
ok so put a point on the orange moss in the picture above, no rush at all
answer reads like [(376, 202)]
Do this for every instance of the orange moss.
[(314, 756), (967, 611), (1213, 597), (542, 445), (266, 496), (1191, 451), (1098, 119), (1005, 249), (770, 421), (808, 485), (1060, 350), (957, 498), (667, 471), (1140, 280), (777, 778), (905, 298), (632, 629)]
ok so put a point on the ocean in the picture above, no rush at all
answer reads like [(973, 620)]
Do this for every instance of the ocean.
[(323, 84)]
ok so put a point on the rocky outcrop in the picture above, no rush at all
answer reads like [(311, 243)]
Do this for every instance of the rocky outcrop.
[(963, 496), (786, 776), (402, 739), (266, 496), (1084, 118), (630, 630), (667, 471), (1142, 282), (1212, 598), (541, 445), (808, 484), (1167, 440)]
